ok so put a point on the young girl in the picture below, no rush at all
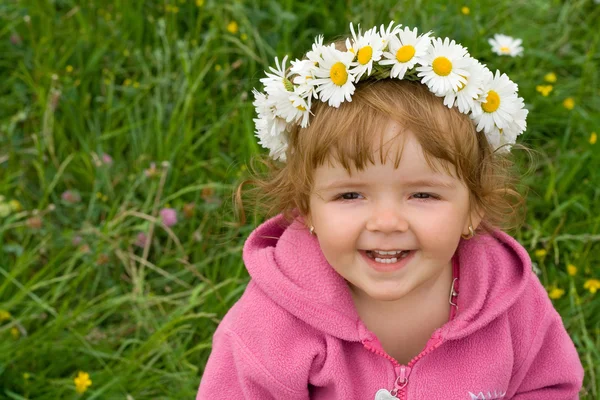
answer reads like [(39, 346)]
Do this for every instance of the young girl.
[(385, 274)]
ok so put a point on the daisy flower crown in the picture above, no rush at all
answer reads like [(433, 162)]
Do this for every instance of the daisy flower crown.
[(392, 52)]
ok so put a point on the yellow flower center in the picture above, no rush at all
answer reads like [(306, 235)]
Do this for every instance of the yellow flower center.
[(505, 49), (442, 66), (338, 74), (301, 108), (492, 102), (365, 54), (405, 53)]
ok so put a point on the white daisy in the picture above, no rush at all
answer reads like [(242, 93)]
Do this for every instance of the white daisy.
[(405, 50), (498, 105), (277, 79), (387, 33), (290, 106), (266, 109), (506, 46), (315, 51), (334, 81), (277, 145), (302, 72), (444, 67), (469, 92), (282, 100), (367, 48), (514, 128)]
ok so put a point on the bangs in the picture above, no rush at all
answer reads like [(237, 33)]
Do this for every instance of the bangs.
[(354, 140), (352, 135)]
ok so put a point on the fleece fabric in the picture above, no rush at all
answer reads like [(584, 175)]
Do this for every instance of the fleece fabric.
[(295, 333)]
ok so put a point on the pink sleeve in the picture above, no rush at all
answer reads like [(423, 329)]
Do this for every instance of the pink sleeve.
[(551, 369), (233, 372)]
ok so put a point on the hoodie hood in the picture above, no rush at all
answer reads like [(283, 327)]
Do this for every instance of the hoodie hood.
[(286, 262)]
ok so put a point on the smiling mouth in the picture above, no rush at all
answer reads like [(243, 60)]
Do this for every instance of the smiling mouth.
[(388, 258)]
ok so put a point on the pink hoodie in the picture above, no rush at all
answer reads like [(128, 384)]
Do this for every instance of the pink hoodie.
[(295, 333)]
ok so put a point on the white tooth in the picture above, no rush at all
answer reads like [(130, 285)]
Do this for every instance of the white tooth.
[(386, 260), (383, 253)]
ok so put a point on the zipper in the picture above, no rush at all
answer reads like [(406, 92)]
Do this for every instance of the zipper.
[(400, 388)]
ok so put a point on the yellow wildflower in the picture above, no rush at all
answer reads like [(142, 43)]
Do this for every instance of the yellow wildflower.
[(465, 10), (244, 37), (127, 82), (544, 89), (26, 375), (550, 77), (571, 270), (569, 103), (593, 138), (82, 382), (541, 253), (555, 293), (218, 67), (69, 68), (592, 285), (4, 315), (15, 205), (232, 27), (14, 331), (136, 84), (199, 3)]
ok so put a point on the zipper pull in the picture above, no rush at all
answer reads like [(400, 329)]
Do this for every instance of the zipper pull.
[(399, 384)]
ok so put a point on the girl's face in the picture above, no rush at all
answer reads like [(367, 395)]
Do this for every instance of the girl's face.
[(382, 208)]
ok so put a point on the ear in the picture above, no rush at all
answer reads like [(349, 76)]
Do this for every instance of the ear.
[(475, 217)]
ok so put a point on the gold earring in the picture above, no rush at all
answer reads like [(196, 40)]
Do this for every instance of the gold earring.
[(312, 230), (470, 235)]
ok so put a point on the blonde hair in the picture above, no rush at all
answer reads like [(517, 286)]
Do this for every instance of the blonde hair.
[(345, 134)]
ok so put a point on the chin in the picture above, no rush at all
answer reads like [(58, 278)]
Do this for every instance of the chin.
[(386, 295)]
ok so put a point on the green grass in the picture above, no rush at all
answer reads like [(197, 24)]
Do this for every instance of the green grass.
[(145, 82)]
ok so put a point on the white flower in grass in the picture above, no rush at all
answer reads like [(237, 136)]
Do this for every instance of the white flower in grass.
[(445, 66), (367, 48), (499, 108), (405, 50), (333, 79), (387, 33), (467, 94), (504, 45)]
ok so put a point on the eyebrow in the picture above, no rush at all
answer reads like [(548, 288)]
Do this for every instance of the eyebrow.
[(429, 182)]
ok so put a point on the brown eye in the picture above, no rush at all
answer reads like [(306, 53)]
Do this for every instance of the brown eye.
[(348, 196), (424, 196)]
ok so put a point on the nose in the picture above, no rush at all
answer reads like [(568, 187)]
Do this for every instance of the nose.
[(388, 217)]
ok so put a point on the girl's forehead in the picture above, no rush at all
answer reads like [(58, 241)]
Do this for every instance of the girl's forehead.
[(393, 145)]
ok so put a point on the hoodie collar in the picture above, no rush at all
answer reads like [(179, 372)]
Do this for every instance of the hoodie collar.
[(286, 262)]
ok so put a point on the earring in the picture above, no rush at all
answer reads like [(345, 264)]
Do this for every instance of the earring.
[(312, 230), (470, 235)]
